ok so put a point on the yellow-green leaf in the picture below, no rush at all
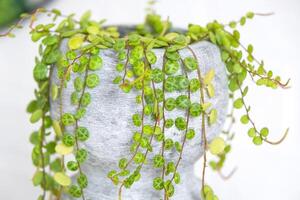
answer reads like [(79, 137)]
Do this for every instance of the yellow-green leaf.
[(76, 41), (63, 149), (54, 92), (155, 110), (210, 90), (212, 118), (93, 30), (37, 178), (217, 146), (62, 179), (57, 128), (205, 106), (171, 36), (209, 76), (36, 116)]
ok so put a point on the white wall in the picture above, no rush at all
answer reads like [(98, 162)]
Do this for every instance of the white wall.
[(264, 173)]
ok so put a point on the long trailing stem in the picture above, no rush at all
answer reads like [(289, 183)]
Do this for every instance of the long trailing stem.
[(229, 138), (256, 14), (43, 157), (143, 115), (147, 64), (126, 64), (164, 122), (62, 86), (253, 124), (145, 157), (76, 127), (203, 128), (280, 140), (186, 130), (32, 18), (163, 111), (229, 175), (42, 131), (253, 72)]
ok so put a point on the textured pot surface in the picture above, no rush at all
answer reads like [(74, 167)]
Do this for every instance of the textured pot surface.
[(108, 119)]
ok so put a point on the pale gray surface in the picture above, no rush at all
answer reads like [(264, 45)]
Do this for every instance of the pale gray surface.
[(108, 119)]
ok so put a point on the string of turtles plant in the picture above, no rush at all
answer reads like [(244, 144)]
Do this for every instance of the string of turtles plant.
[(56, 139)]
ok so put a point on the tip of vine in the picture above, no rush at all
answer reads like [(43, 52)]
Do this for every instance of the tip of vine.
[(281, 139), (227, 177), (285, 85), (265, 14)]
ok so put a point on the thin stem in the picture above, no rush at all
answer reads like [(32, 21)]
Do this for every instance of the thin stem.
[(231, 117), (265, 14), (126, 64), (253, 72), (32, 17), (246, 108), (278, 141), (62, 86), (76, 126), (186, 130), (164, 122), (229, 138), (253, 124), (62, 82), (120, 192), (142, 128), (42, 156), (18, 24), (203, 129), (256, 14), (228, 176), (143, 116), (145, 157), (166, 26), (163, 111), (66, 73)]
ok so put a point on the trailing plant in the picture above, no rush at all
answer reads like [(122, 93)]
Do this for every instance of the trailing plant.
[(53, 140)]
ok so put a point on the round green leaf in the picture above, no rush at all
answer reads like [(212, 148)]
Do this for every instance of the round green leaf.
[(92, 80)]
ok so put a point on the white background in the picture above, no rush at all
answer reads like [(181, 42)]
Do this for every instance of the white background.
[(264, 173)]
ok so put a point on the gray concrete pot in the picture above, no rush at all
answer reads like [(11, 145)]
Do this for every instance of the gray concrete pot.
[(108, 119)]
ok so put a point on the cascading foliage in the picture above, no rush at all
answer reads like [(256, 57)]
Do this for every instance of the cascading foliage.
[(54, 140)]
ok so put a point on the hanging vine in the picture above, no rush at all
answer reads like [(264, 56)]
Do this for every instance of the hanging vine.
[(61, 137)]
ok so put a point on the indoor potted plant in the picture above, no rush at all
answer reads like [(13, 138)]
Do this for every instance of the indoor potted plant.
[(136, 106)]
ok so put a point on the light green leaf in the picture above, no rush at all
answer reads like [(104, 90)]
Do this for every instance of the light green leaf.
[(251, 132), (76, 41), (54, 92), (238, 103), (62, 179), (245, 119), (257, 140), (93, 30), (36, 116), (63, 149), (212, 118), (217, 146), (210, 90), (205, 106), (209, 76), (56, 128), (264, 132), (37, 178)]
